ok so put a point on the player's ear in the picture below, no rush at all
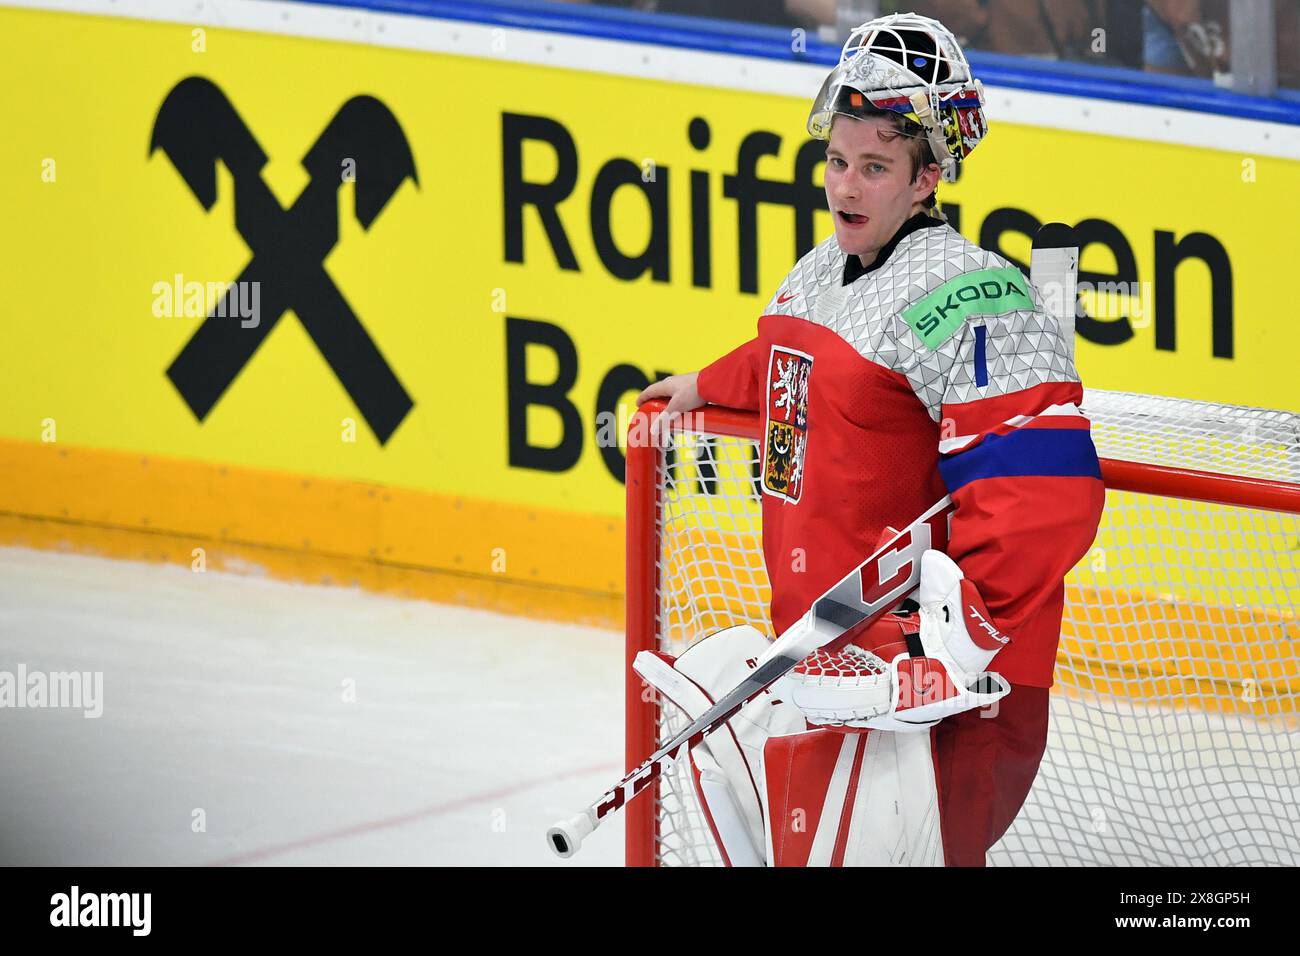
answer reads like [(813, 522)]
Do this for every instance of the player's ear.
[(927, 181)]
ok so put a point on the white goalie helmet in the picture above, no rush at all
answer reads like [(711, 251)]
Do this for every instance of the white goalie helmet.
[(912, 66)]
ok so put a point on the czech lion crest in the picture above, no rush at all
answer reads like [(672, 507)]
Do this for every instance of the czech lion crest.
[(786, 433)]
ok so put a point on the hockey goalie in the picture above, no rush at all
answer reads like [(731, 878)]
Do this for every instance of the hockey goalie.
[(896, 363)]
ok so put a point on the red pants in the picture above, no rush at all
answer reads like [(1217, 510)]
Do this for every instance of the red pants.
[(985, 766)]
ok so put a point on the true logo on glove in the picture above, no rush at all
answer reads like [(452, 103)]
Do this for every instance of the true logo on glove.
[(986, 625)]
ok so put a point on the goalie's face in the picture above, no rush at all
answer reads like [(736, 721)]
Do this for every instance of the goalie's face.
[(869, 183)]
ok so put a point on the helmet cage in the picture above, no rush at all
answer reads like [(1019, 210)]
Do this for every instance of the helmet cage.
[(912, 66)]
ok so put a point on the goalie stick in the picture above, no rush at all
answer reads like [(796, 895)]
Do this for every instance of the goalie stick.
[(859, 599), (1054, 271)]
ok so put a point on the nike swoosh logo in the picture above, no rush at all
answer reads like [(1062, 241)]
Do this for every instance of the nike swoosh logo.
[(781, 299)]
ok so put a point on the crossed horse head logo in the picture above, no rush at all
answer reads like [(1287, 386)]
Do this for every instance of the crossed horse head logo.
[(196, 127)]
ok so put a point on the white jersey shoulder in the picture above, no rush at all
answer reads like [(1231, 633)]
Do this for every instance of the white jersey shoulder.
[(960, 322), (819, 269), (879, 321)]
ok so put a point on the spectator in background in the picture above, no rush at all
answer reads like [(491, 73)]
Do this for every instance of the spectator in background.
[(1181, 37), (1122, 21), (786, 13), (1288, 44), (1055, 29), (1185, 37)]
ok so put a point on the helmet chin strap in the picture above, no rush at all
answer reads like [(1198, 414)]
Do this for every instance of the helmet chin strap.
[(934, 213)]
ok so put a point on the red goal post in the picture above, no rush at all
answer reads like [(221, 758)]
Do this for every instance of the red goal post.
[(1174, 733)]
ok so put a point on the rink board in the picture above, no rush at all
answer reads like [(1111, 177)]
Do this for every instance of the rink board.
[(518, 344)]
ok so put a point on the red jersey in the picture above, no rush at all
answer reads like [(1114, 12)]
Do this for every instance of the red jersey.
[(936, 370)]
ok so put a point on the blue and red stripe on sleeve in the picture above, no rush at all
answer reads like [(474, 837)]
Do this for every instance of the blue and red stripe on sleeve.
[(1023, 472)]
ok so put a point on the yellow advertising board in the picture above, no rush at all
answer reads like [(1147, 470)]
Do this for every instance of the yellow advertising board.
[(448, 275)]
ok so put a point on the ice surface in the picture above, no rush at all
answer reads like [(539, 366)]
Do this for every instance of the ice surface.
[(224, 702)]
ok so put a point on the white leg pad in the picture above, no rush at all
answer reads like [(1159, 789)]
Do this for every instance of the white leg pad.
[(728, 764), (727, 819), (896, 812), (852, 799)]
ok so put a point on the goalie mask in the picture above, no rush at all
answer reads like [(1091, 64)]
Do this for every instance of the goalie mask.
[(911, 66)]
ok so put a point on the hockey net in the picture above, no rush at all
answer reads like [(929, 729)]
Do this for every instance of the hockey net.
[(1174, 731)]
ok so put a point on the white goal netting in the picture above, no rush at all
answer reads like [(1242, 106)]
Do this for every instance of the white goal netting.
[(1175, 732)]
